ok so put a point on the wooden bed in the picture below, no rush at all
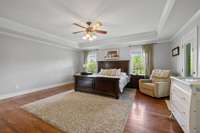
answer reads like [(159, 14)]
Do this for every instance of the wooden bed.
[(102, 85)]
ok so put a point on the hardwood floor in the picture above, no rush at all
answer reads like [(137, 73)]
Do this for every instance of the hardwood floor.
[(148, 115)]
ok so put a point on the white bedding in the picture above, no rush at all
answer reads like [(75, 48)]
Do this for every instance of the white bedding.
[(124, 79)]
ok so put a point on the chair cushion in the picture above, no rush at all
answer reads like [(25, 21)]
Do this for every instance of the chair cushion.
[(148, 85), (148, 89), (154, 80)]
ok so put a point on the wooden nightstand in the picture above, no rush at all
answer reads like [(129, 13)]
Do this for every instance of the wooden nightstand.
[(134, 80)]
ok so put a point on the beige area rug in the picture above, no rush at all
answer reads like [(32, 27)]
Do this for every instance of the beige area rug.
[(78, 112)]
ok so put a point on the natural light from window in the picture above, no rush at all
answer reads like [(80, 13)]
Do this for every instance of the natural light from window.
[(137, 62), (91, 65)]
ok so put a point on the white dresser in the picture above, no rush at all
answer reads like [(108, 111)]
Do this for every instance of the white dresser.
[(185, 103)]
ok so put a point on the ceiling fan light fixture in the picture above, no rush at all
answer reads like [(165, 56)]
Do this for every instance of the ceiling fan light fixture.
[(89, 36), (98, 24), (84, 38), (90, 39), (94, 37), (90, 30)]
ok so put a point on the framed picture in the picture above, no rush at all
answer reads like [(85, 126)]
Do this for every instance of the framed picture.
[(111, 54), (175, 51)]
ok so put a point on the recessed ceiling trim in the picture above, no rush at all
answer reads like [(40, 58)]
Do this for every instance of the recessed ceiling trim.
[(119, 45), (139, 37), (12, 27), (164, 17), (194, 18)]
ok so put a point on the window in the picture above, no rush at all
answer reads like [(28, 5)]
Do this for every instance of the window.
[(137, 61), (91, 65)]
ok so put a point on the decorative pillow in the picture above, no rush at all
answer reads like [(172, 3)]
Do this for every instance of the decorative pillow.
[(113, 72), (102, 72), (110, 72), (118, 72), (107, 72)]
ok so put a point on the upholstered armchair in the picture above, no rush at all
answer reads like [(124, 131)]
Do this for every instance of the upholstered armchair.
[(158, 85)]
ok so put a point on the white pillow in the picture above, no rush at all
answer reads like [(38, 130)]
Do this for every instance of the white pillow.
[(113, 72), (102, 72), (118, 72), (107, 72), (110, 72), (123, 74)]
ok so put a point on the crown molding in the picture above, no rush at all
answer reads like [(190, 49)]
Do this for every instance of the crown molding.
[(193, 19), (165, 15), (16, 29), (119, 45), (138, 37)]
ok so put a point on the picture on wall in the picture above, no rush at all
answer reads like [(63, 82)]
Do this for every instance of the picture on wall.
[(111, 54), (175, 51)]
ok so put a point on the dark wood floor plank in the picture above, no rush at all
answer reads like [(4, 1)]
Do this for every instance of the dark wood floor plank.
[(148, 115), (4, 128)]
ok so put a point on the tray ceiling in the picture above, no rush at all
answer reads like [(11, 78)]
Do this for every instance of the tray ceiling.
[(121, 19)]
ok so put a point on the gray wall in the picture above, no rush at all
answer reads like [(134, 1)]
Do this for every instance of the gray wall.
[(25, 65), (177, 61), (124, 54), (161, 56)]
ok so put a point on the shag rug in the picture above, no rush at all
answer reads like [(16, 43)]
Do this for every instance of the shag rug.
[(77, 112)]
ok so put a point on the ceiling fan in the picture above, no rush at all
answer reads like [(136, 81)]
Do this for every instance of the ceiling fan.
[(90, 30)]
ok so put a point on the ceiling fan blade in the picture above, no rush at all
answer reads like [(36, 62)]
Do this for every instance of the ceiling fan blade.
[(101, 31), (79, 25), (77, 32)]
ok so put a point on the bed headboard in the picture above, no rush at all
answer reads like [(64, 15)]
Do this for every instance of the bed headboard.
[(122, 64)]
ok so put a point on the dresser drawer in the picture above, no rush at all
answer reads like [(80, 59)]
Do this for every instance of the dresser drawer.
[(184, 100), (181, 94), (180, 108), (180, 119)]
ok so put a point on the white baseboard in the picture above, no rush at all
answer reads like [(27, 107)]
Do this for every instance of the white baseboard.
[(33, 90)]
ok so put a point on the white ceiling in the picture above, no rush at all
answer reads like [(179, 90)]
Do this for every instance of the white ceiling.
[(182, 11), (126, 20)]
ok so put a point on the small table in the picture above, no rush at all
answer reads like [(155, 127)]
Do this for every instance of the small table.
[(134, 80)]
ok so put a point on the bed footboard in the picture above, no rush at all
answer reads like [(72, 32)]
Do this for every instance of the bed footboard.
[(107, 86), (98, 85)]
